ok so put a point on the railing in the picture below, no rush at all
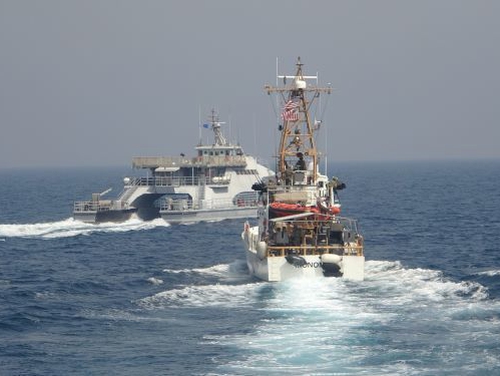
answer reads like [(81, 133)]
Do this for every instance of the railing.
[(154, 162), (206, 161), (97, 206), (306, 250), (348, 223), (338, 235), (176, 181), (184, 204)]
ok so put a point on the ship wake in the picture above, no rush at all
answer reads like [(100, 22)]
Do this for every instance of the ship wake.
[(386, 324), (70, 228)]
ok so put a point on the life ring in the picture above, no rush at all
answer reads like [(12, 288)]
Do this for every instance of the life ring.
[(334, 210)]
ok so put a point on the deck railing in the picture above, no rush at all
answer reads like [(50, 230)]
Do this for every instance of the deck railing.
[(98, 205), (338, 235), (184, 204), (306, 250), (204, 161), (176, 181)]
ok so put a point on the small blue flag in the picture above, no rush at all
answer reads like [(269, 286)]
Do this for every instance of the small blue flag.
[(206, 126)]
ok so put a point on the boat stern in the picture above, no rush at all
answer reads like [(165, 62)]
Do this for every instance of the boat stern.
[(353, 268)]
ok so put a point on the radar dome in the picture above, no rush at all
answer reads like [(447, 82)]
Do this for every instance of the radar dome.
[(300, 84)]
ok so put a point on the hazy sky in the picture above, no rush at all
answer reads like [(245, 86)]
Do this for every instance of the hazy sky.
[(85, 83)]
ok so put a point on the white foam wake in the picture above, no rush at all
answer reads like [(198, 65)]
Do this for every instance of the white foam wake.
[(398, 286), (155, 281), (237, 270), (69, 227), (490, 273), (330, 325), (203, 296), (411, 285)]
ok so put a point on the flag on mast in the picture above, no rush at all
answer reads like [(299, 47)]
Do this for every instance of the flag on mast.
[(290, 111)]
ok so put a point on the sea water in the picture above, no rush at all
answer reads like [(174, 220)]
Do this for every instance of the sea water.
[(148, 298)]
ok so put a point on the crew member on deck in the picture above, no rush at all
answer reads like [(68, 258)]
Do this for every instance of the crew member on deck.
[(301, 164)]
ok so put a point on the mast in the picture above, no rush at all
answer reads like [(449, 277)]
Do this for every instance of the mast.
[(215, 123), (297, 148)]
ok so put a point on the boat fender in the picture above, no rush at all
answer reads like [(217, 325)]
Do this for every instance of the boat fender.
[(295, 260), (329, 258), (332, 270), (261, 249)]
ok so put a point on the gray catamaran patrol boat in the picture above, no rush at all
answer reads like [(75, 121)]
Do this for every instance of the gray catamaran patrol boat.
[(213, 185)]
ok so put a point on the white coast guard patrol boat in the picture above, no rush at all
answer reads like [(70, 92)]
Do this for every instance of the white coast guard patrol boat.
[(214, 185), (300, 231)]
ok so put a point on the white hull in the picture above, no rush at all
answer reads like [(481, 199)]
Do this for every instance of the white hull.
[(277, 268), (187, 216), (300, 232)]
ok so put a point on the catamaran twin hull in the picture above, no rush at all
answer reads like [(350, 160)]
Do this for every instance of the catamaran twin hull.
[(116, 216), (276, 264), (101, 211)]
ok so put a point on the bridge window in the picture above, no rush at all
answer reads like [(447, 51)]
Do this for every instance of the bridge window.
[(246, 199), (246, 172)]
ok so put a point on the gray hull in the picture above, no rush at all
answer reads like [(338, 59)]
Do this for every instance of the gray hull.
[(187, 216), (144, 207), (104, 216)]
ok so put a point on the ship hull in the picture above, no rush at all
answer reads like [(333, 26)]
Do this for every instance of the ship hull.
[(143, 207), (115, 216), (281, 268), (187, 216)]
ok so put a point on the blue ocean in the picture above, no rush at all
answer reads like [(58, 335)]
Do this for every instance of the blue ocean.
[(149, 298)]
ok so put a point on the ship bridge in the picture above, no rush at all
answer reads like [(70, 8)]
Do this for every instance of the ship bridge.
[(212, 158)]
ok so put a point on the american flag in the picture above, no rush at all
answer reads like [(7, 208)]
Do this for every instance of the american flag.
[(290, 111)]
